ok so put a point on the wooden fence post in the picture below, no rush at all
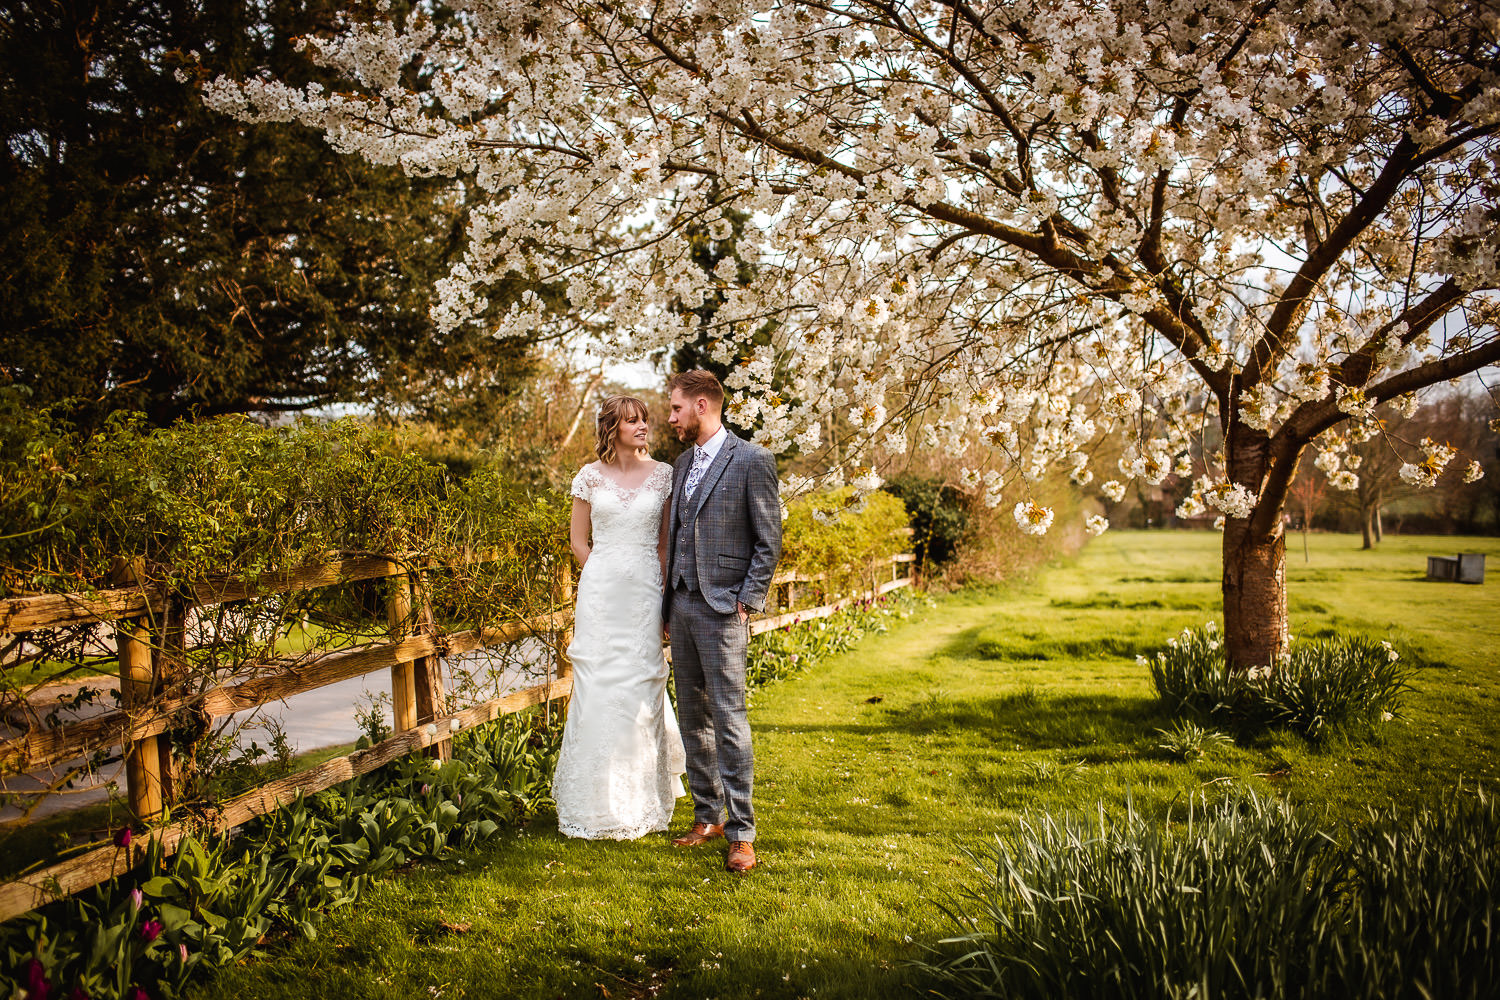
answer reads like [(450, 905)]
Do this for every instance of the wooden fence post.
[(143, 783), (403, 675), (427, 674), (562, 595), (169, 671), (143, 757)]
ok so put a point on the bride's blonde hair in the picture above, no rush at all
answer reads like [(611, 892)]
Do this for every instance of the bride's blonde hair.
[(611, 412)]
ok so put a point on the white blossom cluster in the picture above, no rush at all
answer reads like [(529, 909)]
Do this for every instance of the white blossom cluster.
[(1435, 460), (1032, 518), (1003, 231)]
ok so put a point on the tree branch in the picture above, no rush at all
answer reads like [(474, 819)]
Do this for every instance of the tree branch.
[(1277, 338)]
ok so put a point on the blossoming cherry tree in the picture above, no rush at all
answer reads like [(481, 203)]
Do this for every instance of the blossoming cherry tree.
[(1220, 232)]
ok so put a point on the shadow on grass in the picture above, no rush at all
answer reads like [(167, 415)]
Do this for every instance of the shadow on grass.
[(1019, 643), (1113, 602), (1030, 722), (1022, 720)]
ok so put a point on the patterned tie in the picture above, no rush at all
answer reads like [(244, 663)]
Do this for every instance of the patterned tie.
[(695, 474)]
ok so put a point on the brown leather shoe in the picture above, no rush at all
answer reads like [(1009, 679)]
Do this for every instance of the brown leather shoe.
[(701, 833), (741, 856)]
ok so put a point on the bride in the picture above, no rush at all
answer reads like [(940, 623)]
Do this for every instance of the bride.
[(621, 765)]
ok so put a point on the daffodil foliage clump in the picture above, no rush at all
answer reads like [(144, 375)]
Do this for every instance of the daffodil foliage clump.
[(1317, 685), (1247, 898)]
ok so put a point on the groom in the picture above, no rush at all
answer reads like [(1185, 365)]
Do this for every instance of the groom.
[(725, 539)]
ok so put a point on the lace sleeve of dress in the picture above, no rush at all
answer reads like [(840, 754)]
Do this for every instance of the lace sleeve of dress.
[(661, 476), (583, 485)]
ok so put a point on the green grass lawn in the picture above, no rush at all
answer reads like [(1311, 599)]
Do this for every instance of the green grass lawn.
[(877, 769)]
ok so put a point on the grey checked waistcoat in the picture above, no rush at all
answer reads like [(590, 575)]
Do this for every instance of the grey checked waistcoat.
[(684, 552)]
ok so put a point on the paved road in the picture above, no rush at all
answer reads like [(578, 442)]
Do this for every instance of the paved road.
[(312, 720)]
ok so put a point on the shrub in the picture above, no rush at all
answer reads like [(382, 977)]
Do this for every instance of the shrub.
[(939, 520), (1319, 686), (1247, 898), (851, 549)]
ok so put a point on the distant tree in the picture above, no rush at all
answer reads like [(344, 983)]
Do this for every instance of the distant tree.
[(1307, 496), (1468, 503), (152, 259), (1401, 455), (1376, 459)]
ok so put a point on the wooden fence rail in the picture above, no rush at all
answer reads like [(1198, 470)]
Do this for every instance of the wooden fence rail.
[(422, 721)]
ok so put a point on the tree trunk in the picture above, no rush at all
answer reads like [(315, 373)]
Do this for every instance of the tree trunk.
[(583, 404), (1255, 625), (1379, 528), (1366, 525)]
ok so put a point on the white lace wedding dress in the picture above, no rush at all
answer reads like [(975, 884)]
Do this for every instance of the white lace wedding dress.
[(621, 765)]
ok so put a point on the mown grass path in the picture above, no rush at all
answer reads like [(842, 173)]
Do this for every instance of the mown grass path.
[(878, 768)]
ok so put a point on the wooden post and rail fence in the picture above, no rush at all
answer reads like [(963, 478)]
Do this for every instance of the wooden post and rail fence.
[(149, 628)]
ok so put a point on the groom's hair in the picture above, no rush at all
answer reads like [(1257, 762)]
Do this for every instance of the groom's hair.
[(696, 382)]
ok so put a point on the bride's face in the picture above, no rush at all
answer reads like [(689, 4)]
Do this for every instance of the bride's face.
[(634, 431)]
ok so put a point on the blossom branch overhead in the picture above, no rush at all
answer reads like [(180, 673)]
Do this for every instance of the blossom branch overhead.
[(1009, 230)]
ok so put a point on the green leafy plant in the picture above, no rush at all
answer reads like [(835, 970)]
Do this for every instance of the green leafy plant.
[(215, 900), (370, 716), (1186, 740), (1346, 682)]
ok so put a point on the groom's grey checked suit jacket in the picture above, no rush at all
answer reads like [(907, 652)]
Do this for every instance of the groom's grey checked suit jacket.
[(725, 542)]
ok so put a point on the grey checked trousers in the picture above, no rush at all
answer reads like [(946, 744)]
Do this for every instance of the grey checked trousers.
[(708, 665)]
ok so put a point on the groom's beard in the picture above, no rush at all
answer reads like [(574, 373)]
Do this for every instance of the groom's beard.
[(688, 431)]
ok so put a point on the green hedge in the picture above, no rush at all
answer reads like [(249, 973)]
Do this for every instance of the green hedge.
[(233, 496), (824, 535)]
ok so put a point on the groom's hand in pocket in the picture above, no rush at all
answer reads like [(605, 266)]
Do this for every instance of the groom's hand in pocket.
[(744, 611)]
